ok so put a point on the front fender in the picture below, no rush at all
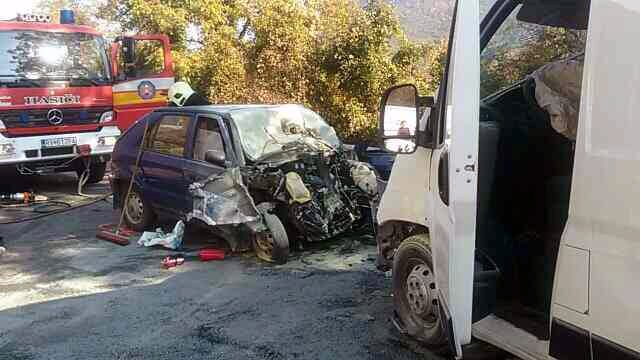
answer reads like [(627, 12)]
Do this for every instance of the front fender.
[(406, 195), (404, 206)]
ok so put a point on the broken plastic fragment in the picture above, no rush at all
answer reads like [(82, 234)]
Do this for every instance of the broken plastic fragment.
[(296, 189)]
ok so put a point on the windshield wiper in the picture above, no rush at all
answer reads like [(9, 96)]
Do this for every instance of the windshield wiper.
[(78, 81), (19, 82)]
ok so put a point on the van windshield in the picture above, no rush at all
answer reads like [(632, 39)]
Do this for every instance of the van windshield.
[(29, 57)]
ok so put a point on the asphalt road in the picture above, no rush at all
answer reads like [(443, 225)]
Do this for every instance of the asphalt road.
[(68, 295)]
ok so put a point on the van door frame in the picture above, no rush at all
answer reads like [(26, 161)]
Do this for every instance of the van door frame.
[(453, 225)]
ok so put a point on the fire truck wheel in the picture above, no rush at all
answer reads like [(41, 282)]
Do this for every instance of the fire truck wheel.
[(96, 172)]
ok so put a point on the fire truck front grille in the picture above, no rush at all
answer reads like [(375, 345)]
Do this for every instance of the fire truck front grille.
[(57, 151), (40, 118)]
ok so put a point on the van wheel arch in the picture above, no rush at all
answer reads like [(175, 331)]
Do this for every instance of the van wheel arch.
[(390, 235)]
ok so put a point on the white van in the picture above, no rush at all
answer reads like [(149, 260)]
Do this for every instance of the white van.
[(515, 218)]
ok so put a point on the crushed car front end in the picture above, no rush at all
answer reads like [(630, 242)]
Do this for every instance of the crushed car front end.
[(296, 161)]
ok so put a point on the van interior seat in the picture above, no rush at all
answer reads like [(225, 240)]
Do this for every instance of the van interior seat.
[(487, 156)]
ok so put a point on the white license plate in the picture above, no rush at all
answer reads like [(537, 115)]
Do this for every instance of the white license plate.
[(58, 142)]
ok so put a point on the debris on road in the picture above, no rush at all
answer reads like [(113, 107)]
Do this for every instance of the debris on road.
[(173, 261), (172, 240)]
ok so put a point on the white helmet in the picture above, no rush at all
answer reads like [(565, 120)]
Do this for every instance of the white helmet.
[(180, 92)]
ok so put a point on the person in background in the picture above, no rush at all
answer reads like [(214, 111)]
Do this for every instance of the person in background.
[(403, 130), (181, 94)]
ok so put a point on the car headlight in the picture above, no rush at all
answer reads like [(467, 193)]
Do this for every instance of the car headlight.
[(106, 117), (107, 140), (7, 149)]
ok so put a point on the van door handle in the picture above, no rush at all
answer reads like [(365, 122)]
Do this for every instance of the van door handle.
[(470, 167)]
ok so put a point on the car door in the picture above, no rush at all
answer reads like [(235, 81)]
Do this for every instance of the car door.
[(453, 184), (162, 163), (143, 68), (208, 136), (217, 195)]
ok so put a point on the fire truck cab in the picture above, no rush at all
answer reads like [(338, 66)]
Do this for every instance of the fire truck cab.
[(66, 94)]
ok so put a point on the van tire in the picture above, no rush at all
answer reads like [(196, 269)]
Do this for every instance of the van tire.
[(415, 292), (138, 215)]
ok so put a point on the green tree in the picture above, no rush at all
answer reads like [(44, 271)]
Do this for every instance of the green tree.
[(334, 56), (508, 64)]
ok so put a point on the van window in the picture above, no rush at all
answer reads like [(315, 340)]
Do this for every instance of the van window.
[(519, 48), (169, 135)]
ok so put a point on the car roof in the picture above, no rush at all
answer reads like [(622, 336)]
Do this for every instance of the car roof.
[(223, 109)]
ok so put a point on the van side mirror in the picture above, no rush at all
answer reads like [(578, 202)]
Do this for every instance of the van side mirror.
[(215, 157), (399, 118)]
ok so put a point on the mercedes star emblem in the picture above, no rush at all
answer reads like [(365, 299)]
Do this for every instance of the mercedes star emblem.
[(54, 116)]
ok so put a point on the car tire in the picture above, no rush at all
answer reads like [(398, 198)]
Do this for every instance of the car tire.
[(414, 291), (96, 172), (138, 214), (272, 245)]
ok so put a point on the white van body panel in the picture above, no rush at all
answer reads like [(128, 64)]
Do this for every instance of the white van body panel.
[(454, 226), (405, 196), (604, 215)]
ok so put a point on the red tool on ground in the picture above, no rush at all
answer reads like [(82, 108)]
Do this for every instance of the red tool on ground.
[(121, 235), (110, 232), (211, 254)]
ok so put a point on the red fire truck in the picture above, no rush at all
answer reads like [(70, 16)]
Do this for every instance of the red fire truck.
[(65, 94)]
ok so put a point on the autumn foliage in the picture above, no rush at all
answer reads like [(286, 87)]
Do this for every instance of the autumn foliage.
[(335, 56)]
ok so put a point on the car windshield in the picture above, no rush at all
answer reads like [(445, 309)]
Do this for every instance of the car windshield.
[(27, 57), (268, 130)]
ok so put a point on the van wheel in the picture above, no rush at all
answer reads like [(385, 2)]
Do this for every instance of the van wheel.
[(272, 245), (414, 291), (138, 214)]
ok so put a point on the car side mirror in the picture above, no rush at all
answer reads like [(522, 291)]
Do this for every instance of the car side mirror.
[(215, 157), (399, 118)]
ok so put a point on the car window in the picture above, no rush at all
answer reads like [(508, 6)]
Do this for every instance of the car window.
[(208, 138), (519, 48), (169, 135)]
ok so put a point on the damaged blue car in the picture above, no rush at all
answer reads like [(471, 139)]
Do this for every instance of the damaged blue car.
[(261, 175)]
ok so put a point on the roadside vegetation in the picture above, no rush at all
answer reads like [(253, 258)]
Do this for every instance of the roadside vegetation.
[(334, 56)]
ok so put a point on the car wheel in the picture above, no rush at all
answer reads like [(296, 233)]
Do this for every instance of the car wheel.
[(272, 245), (414, 291), (96, 172), (138, 214)]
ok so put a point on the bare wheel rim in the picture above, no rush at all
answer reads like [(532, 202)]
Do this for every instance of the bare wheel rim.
[(134, 208), (264, 246), (421, 295)]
